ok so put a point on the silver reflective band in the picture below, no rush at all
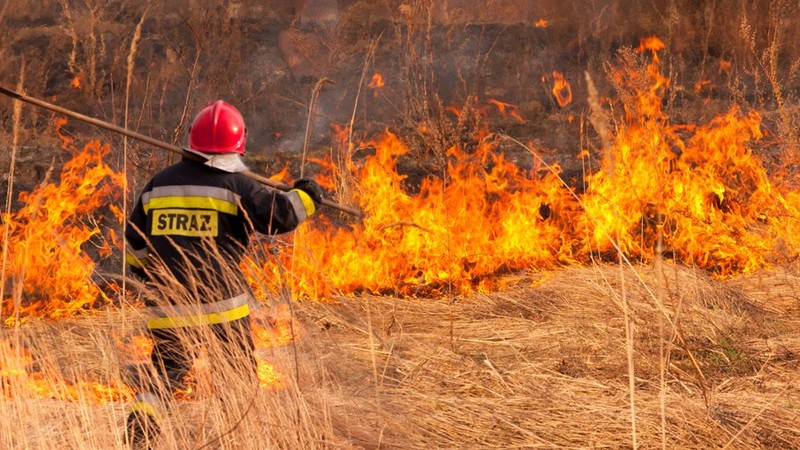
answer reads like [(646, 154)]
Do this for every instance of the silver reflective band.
[(147, 403), (297, 205), (148, 397), (190, 190)]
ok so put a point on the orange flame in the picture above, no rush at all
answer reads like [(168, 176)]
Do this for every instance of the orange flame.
[(66, 141), (76, 82), (18, 380), (507, 109), (699, 188), (701, 191), (377, 81), (456, 112), (281, 176), (561, 89), (694, 193), (279, 330), (701, 84), (376, 84), (268, 376), (652, 43), (138, 348), (542, 23), (14, 362), (198, 379), (724, 65), (400, 245), (47, 261)]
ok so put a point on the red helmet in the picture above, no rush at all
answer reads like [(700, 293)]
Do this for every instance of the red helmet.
[(218, 128)]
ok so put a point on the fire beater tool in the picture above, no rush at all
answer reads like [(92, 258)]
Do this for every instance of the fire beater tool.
[(185, 152)]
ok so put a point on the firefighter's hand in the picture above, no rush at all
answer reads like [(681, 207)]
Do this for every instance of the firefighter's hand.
[(312, 188)]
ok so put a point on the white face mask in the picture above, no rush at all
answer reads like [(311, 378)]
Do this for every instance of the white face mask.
[(227, 162)]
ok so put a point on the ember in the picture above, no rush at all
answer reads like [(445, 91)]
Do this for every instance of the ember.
[(377, 81), (562, 91), (507, 109)]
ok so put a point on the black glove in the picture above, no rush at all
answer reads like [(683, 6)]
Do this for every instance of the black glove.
[(312, 188)]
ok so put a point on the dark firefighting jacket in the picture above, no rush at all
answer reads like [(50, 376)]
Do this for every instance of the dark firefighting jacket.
[(193, 222)]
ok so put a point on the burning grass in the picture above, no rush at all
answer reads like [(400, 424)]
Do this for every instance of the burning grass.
[(47, 265), (585, 355), (695, 193)]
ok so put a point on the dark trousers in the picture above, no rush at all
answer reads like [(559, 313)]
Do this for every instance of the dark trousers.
[(172, 358)]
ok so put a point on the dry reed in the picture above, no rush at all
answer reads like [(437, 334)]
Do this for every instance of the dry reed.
[(542, 364)]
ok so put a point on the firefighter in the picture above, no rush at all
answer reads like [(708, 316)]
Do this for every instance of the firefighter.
[(186, 234)]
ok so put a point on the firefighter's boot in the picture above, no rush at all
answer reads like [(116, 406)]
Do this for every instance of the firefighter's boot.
[(142, 430)]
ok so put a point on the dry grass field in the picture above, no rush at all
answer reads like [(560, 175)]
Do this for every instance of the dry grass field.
[(544, 364), (580, 225)]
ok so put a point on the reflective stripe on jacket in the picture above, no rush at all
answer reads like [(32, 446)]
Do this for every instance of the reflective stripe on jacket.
[(193, 217), (148, 403), (199, 314)]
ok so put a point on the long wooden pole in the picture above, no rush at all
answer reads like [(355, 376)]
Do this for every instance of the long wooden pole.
[(160, 144)]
